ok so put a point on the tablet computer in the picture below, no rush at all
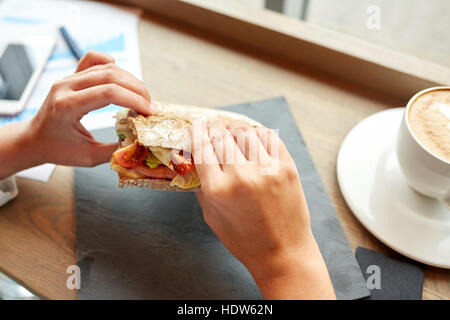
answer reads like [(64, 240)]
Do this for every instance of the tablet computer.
[(22, 59)]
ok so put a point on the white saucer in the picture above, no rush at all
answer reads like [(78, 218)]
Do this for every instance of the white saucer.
[(376, 191)]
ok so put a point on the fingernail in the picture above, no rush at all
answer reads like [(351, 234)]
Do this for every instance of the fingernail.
[(153, 107)]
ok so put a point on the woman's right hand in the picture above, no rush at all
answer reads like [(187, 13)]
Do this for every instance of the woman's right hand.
[(252, 199)]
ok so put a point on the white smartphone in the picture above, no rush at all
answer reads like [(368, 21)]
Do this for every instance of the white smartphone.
[(22, 59)]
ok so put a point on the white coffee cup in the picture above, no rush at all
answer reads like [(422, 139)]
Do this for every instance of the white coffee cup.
[(425, 172)]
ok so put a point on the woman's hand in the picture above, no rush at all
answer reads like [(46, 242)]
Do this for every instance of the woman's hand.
[(97, 83), (55, 134), (252, 199)]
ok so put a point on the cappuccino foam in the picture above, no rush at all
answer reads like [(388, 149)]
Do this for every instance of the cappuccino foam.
[(429, 118)]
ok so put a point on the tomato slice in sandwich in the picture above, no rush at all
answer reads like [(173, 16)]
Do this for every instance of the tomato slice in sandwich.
[(182, 162), (130, 156), (160, 172)]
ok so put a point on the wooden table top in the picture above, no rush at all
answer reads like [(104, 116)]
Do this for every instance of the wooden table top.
[(183, 65)]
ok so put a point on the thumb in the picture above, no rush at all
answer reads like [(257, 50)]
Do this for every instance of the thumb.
[(100, 153)]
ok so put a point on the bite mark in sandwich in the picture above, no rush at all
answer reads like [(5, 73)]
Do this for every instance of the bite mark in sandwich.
[(154, 151)]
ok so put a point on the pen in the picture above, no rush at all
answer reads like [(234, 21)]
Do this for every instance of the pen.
[(74, 48)]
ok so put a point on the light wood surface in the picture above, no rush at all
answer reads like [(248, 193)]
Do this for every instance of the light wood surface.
[(182, 65), (335, 53)]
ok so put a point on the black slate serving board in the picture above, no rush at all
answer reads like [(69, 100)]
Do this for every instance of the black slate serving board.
[(150, 244)]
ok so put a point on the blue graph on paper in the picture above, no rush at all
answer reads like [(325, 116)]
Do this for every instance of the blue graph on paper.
[(114, 44), (22, 20)]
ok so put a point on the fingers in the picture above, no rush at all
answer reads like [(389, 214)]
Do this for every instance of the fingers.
[(102, 95), (205, 158), (98, 67), (113, 74), (99, 82), (237, 124), (225, 147), (93, 58), (272, 143), (269, 139), (100, 153), (250, 144)]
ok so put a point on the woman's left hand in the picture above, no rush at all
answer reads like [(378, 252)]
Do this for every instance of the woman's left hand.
[(55, 134), (98, 82)]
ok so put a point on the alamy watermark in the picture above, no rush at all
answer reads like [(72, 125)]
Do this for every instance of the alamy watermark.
[(373, 21), (74, 279), (238, 146), (374, 279)]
